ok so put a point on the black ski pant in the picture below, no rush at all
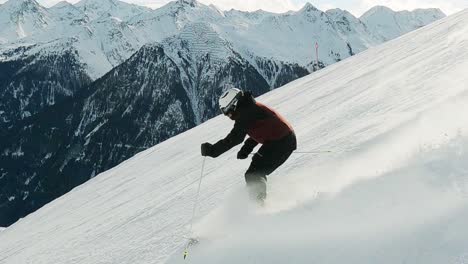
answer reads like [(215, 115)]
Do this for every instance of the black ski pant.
[(268, 158)]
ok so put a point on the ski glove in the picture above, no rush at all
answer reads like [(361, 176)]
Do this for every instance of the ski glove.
[(206, 149), (242, 154)]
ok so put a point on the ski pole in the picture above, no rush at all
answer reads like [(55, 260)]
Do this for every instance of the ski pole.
[(195, 207), (313, 152), (327, 151), (302, 152)]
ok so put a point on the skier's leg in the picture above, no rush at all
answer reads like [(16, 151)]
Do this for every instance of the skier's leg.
[(261, 166), (268, 158), (255, 178), (257, 189), (275, 153)]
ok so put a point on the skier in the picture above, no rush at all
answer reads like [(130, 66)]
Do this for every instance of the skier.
[(263, 125)]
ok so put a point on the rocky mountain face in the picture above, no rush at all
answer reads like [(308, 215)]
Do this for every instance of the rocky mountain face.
[(32, 81), (99, 81)]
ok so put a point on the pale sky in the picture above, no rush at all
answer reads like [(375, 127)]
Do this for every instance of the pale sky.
[(356, 7)]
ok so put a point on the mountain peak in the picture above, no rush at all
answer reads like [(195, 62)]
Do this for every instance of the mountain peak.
[(377, 10), (62, 4), (191, 3), (382, 8), (308, 7), (22, 18), (338, 14), (16, 2), (21, 5), (96, 9), (96, 2), (337, 11), (193, 7)]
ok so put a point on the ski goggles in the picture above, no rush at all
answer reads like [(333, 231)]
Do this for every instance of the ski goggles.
[(229, 108)]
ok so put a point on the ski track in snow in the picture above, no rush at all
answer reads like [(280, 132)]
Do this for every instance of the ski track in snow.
[(394, 189)]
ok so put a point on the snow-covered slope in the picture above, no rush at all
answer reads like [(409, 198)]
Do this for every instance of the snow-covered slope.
[(394, 189)]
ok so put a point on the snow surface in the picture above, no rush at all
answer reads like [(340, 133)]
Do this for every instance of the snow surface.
[(394, 189)]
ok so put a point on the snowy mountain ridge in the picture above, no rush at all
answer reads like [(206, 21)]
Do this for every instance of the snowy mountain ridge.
[(103, 34), (96, 9), (96, 24), (390, 24), (394, 189)]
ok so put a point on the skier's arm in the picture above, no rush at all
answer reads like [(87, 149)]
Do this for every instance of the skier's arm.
[(247, 148), (250, 144), (235, 137)]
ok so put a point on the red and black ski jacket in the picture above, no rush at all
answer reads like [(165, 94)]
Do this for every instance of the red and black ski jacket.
[(261, 123)]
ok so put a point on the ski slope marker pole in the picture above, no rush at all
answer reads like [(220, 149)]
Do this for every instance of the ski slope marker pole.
[(316, 54), (195, 207)]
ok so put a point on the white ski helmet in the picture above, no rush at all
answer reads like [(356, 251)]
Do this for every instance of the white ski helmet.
[(229, 99)]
